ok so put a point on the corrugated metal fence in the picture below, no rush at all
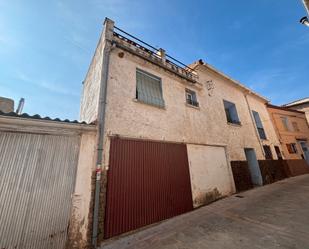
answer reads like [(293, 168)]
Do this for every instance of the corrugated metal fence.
[(147, 182), (37, 175)]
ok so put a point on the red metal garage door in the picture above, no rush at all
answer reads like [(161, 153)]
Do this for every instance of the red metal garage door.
[(147, 182)]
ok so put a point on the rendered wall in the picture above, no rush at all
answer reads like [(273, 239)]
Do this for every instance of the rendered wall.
[(271, 136), (81, 217), (91, 87), (176, 122)]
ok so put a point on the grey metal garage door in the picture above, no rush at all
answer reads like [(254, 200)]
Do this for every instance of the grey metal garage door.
[(37, 175)]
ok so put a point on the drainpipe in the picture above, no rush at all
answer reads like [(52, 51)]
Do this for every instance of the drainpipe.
[(253, 121), (107, 37)]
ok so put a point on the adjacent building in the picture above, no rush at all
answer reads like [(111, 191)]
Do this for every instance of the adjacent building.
[(292, 130), (300, 105), (45, 180)]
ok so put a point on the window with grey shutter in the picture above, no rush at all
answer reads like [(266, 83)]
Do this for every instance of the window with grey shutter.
[(149, 88), (259, 125)]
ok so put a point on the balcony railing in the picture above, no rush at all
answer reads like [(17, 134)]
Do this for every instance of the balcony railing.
[(155, 54)]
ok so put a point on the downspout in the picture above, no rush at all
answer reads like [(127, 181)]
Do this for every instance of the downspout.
[(107, 39), (255, 127)]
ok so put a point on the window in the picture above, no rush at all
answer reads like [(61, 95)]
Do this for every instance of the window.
[(295, 126), (279, 155), (292, 148), (191, 98), (149, 88), (285, 123), (259, 125), (267, 150), (231, 112)]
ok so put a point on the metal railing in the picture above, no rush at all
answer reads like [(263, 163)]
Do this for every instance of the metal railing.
[(123, 35)]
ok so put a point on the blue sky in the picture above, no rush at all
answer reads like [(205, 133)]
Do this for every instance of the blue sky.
[(46, 46)]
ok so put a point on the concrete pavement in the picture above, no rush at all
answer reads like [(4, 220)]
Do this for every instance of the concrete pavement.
[(272, 216)]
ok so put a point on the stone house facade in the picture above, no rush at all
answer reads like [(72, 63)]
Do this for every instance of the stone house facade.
[(139, 94)]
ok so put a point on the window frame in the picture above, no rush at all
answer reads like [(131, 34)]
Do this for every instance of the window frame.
[(261, 130), (154, 77), (285, 122), (193, 99), (292, 148), (268, 152), (229, 115), (278, 152)]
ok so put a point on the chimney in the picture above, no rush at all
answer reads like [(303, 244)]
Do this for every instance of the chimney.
[(20, 106)]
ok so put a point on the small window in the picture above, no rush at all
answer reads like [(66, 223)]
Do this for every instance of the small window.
[(149, 88), (268, 154), (292, 148), (191, 98), (295, 126), (231, 112), (278, 152), (259, 125), (285, 123)]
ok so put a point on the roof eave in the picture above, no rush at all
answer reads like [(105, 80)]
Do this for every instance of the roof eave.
[(237, 83), (283, 108)]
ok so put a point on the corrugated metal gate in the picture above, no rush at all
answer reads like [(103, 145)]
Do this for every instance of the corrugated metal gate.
[(37, 175), (147, 182)]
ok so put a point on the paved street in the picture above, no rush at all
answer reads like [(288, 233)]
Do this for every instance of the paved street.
[(273, 216)]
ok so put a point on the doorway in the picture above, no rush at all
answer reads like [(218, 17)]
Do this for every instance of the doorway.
[(304, 147), (254, 168)]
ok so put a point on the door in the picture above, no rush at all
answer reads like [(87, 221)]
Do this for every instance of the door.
[(147, 182), (304, 147), (37, 175), (254, 168), (211, 174)]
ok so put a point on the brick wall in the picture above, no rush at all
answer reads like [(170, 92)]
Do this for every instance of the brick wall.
[(241, 175), (273, 170), (297, 167)]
